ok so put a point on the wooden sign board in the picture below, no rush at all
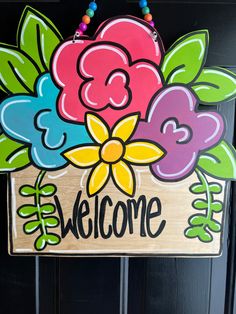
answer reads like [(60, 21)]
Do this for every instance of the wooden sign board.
[(106, 145), (156, 221)]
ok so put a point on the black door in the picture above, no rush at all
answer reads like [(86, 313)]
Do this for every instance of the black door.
[(136, 285)]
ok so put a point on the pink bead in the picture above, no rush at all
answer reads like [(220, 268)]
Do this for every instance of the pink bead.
[(83, 27), (79, 32), (152, 23)]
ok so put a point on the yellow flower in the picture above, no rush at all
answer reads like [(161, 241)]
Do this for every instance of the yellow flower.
[(112, 153)]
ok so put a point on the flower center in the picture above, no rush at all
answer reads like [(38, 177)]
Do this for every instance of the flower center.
[(112, 151)]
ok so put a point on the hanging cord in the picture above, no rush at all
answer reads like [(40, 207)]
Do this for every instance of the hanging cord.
[(86, 19)]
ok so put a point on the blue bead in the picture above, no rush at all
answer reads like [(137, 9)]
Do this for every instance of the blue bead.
[(93, 6), (142, 3)]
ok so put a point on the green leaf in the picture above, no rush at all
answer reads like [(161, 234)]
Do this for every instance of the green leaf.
[(14, 156), (51, 222), (200, 204), (205, 236), (217, 206), (32, 226), (197, 220), (215, 85), (38, 37), (185, 58), (27, 190), (27, 211), (214, 226), (192, 232), (215, 188), (48, 190), (40, 243), (47, 209), (43, 240), (198, 232), (220, 161), (197, 188), (52, 239), (18, 73)]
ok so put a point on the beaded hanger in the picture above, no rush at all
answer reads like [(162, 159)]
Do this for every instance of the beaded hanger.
[(86, 19)]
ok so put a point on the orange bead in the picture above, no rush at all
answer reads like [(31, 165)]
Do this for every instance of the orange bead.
[(86, 19), (148, 17)]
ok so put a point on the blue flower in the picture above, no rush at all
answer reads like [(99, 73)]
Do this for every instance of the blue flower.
[(34, 120)]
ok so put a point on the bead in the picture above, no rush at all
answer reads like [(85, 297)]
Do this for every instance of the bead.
[(145, 10), (79, 32), (83, 27), (90, 13), (152, 23), (148, 17), (142, 3), (86, 19), (93, 6)]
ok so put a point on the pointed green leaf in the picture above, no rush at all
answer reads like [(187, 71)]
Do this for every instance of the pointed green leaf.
[(18, 73), (32, 226), (27, 211), (185, 59), (215, 85), (38, 37), (51, 222), (14, 156), (220, 161)]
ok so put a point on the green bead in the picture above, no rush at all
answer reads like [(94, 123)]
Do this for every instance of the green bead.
[(90, 13), (145, 10)]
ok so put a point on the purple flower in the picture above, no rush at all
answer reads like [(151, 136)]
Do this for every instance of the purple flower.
[(174, 122)]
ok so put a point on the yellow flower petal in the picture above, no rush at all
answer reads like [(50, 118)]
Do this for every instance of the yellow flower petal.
[(125, 127), (97, 128), (123, 177), (98, 178), (142, 153), (83, 157)]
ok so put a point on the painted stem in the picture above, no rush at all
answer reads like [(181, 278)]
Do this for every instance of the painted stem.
[(37, 187), (202, 178)]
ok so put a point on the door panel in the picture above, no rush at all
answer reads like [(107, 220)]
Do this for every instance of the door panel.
[(156, 285), (88, 284), (17, 276)]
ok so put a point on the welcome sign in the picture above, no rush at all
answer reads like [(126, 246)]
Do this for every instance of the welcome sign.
[(107, 146)]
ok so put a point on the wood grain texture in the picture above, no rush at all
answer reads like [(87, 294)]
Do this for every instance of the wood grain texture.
[(176, 208)]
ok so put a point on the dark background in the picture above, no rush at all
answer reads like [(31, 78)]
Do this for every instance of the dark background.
[(156, 285)]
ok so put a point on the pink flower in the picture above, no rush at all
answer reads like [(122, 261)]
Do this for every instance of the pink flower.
[(115, 73), (175, 123)]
